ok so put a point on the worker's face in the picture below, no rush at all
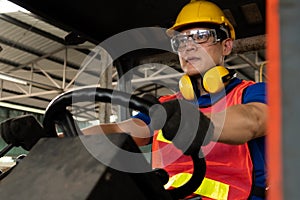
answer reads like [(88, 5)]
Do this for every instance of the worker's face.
[(199, 50)]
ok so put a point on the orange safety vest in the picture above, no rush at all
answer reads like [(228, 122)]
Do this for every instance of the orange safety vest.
[(229, 167)]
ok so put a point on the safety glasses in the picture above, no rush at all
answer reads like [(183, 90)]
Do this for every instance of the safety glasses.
[(179, 42)]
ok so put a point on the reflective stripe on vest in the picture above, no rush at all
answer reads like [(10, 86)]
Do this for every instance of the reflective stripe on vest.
[(161, 138), (209, 188)]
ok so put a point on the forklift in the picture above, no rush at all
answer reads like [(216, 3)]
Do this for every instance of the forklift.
[(100, 166)]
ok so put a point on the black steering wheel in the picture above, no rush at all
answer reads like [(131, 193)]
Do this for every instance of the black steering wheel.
[(57, 113)]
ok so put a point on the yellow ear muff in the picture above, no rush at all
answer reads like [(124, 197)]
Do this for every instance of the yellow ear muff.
[(214, 79), (186, 87)]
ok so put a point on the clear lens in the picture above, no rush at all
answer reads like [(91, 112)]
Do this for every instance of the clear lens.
[(179, 42)]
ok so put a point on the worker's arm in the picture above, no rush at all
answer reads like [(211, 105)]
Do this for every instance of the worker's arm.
[(135, 127), (240, 123), (235, 125)]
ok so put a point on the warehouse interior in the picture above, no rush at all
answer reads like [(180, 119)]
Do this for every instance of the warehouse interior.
[(49, 48), (52, 47), (45, 53)]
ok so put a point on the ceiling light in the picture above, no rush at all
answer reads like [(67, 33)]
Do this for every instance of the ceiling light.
[(23, 108), (7, 7), (12, 79)]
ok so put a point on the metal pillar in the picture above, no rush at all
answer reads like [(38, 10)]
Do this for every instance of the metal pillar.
[(105, 82), (290, 70)]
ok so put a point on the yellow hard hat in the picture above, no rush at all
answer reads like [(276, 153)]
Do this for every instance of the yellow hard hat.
[(201, 11)]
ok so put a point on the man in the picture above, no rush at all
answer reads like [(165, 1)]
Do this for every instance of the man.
[(205, 38)]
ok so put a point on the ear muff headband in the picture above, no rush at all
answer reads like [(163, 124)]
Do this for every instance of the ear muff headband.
[(213, 81)]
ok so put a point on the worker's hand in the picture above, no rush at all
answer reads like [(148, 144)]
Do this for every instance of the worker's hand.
[(185, 125), (24, 131)]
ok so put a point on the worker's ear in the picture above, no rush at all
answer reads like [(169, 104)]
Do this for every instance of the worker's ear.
[(227, 45)]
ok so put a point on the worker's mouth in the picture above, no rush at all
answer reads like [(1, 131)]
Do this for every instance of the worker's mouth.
[(192, 59)]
